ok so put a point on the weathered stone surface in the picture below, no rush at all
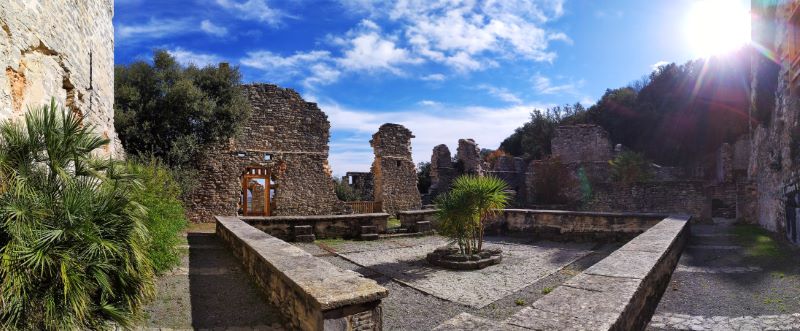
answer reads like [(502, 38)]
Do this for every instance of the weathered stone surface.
[(311, 292), (442, 172), (64, 50), (581, 143), (362, 183), (469, 157), (466, 321), (323, 226), (522, 265), (285, 135), (393, 170), (620, 292)]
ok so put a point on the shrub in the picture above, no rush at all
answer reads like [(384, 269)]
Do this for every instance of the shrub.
[(160, 193), (73, 241), (344, 192), (464, 210), (629, 167)]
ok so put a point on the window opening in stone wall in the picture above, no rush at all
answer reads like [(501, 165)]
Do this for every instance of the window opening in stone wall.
[(267, 156), (398, 163), (350, 180), (256, 192), (241, 154)]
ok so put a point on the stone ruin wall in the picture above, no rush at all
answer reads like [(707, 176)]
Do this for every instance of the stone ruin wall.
[(469, 157), (361, 182), (295, 134), (774, 104), (64, 50), (442, 172), (685, 197), (581, 143), (393, 170), (513, 171)]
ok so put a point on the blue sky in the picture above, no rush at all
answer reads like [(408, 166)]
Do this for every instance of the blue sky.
[(446, 69)]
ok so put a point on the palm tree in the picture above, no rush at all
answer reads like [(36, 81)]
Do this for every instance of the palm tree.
[(464, 211), (72, 241)]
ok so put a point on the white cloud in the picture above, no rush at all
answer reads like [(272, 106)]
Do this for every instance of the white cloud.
[(186, 57), (466, 35), (433, 77), (658, 64), (365, 48), (501, 93), (428, 103), (258, 10), (213, 29), (271, 62), (322, 74), (488, 126), (153, 29), (544, 85)]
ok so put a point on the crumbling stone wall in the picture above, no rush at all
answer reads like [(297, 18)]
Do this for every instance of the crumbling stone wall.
[(286, 135), (581, 143), (442, 171), (393, 170), (686, 197), (361, 182), (512, 170), (773, 165), (469, 157), (59, 49)]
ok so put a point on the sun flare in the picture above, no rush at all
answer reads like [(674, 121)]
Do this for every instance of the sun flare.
[(717, 26)]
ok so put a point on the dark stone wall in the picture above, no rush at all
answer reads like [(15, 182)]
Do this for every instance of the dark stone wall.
[(469, 157), (286, 135), (683, 197), (442, 171), (393, 170), (581, 143)]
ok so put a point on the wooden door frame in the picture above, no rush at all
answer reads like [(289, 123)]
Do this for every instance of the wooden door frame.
[(256, 173)]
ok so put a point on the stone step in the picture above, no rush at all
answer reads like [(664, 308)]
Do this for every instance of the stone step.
[(368, 229), (305, 238), (424, 226), (370, 236), (300, 230)]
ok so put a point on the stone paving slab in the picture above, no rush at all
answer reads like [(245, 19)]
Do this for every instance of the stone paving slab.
[(522, 265), (671, 321), (466, 321)]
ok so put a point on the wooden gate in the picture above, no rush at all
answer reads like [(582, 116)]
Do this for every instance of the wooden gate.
[(256, 192)]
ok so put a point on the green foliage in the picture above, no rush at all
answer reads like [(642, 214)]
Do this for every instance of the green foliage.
[(72, 238), (630, 167), (552, 182), (547, 290), (675, 116), (463, 211), (159, 193), (758, 243), (423, 177), (532, 140), (344, 192), (393, 223), (519, 302), (174, 113)]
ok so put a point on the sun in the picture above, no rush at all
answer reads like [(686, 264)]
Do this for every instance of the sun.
[(717, 26)]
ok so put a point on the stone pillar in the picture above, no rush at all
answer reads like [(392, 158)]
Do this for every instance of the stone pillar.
[(442, 171), (469, 156), (394, 173)]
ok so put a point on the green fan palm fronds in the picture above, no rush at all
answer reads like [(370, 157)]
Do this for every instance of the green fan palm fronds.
[(464, 211), (72, 240)]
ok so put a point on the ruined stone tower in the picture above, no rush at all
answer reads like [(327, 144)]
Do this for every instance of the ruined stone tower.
[(59, 49), (395, 175), (285, 146), (442, 171)]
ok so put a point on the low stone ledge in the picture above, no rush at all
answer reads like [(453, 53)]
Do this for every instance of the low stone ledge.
[(558, 225), (312, 293), (324, 226), (621, 292)]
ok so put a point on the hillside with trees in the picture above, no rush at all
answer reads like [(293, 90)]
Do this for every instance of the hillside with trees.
[(674, 116)]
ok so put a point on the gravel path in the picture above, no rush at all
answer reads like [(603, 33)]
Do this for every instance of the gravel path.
[(209, 291), (747, 288)]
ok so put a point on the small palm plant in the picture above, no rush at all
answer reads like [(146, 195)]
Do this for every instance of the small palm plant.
[(464, 211), (72, 241)]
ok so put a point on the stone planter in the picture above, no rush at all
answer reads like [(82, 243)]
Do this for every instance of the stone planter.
[(450, 258)]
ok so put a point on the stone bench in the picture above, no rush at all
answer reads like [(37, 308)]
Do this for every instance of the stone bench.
[(311, 293), (322, 226)]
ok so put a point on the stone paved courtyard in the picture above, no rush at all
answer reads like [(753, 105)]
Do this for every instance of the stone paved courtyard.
[(421, 297), (724, 282)]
